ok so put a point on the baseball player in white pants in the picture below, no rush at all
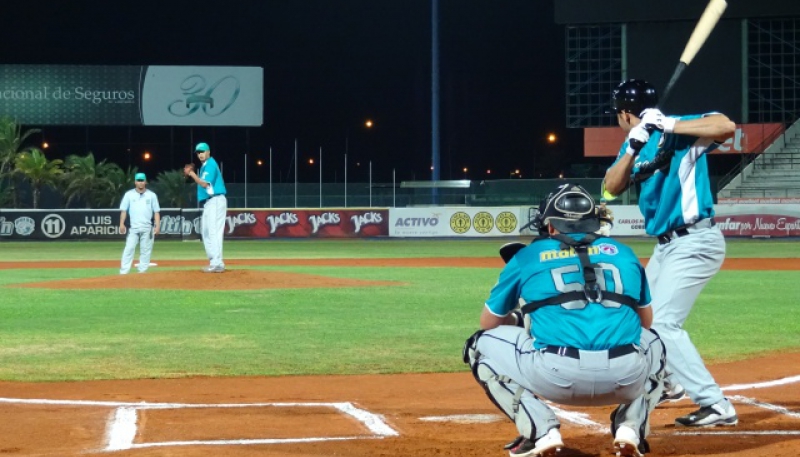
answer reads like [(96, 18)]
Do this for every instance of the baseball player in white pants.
[(213, 229), (142, 206), (666, 157), (211, 195)]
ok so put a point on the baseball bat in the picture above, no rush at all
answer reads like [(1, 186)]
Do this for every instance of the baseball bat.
[(700, 34), (708, 20)]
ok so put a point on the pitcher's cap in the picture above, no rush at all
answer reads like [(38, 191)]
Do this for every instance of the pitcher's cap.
[(140, 177), (202, 147)]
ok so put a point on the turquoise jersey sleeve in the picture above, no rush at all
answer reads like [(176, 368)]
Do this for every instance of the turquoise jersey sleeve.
[(504, 294)]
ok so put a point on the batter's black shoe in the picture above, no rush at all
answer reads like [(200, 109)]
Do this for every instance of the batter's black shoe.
[(710, 416), (547, 446)]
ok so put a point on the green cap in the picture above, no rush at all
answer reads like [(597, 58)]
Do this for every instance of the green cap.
[(140, 177), (201, 147)]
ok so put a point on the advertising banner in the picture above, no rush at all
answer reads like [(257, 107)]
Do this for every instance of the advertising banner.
[(628, 221), (99, 224), (748, 138), (454, 222), (734, 220), (296, 223), (187, 224), (132, 95), (759, 221)]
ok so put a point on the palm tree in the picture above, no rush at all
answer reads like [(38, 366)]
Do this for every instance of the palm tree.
[(88, 180), (34, 166), (12, 139), (172, 189), (121, 181)]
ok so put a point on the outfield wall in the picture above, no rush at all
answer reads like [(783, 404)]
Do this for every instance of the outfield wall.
[(762, 219)]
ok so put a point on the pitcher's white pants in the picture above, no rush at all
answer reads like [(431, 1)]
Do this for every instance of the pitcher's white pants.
[(145, 241), (214, 213)]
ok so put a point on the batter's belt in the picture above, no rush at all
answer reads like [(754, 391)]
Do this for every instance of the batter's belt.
[(575, 353), (665, 238)]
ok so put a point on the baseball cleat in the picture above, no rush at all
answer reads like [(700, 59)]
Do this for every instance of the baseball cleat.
[(719, 414), (547, 446), (674, 393), (210, 269), (626, 443)]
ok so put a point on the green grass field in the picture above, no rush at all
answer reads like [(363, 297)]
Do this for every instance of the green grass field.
[(419, 326)]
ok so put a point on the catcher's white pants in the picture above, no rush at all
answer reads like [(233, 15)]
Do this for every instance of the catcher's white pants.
[(214, 213), (516, 375), (145, 241)]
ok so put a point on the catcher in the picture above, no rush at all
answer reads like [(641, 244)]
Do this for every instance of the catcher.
[(589, 341)]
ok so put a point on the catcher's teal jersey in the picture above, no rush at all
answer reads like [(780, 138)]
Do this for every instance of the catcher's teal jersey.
[(210, 173), (543, 270), (676, 192)]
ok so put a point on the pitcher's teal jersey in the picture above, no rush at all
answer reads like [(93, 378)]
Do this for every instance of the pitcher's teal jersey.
[(676, 192), (543, 270), (210, 173)]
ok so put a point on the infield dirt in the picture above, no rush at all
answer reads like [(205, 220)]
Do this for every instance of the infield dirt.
[(769, 414)]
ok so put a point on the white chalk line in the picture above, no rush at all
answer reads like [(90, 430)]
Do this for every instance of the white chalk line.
[(121, 432), (768, 406), (251, 441), (582, 419), (122, 425), (761, 385), (145, 405), (464, 418)]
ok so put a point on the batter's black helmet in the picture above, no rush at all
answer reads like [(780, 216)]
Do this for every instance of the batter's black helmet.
[(634, 96), (570, 209)]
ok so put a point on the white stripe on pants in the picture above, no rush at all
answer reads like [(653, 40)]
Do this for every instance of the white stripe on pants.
[(145, 241), (214, 213)]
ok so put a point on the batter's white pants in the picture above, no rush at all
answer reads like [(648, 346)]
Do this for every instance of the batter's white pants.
[(214, 213), (145, 241), (677, 272)]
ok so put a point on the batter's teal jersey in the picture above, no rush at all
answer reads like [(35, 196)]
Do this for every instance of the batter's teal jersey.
[(543, 270), (676, 191), (210, 173)]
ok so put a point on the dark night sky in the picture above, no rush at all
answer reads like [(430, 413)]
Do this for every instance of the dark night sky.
[(328, 66)]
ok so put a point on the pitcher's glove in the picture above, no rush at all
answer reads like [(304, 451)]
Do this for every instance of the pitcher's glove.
[(188, 168)]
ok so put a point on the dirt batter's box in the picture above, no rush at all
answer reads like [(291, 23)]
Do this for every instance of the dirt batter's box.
[(122, 427)]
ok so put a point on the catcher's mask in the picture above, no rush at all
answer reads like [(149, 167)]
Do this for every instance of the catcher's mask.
[(569, 209)]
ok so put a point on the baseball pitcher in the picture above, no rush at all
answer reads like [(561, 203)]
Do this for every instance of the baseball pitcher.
[(211, 196)]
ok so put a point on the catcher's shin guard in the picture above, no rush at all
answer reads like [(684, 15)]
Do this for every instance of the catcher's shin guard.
[(501, 390)]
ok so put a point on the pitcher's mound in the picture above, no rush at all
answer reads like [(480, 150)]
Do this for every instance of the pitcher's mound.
[(197, 280)]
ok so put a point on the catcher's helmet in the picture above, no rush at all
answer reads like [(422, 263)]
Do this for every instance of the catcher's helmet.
[(634, 96), (569, 209)]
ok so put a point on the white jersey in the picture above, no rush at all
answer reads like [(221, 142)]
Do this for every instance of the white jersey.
[(141, 207)]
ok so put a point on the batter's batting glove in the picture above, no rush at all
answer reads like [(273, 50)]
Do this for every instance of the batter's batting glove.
[(637, 138), (654, 119)]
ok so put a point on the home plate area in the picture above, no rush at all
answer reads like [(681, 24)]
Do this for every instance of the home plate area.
[(146, 425), (405, 415)]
